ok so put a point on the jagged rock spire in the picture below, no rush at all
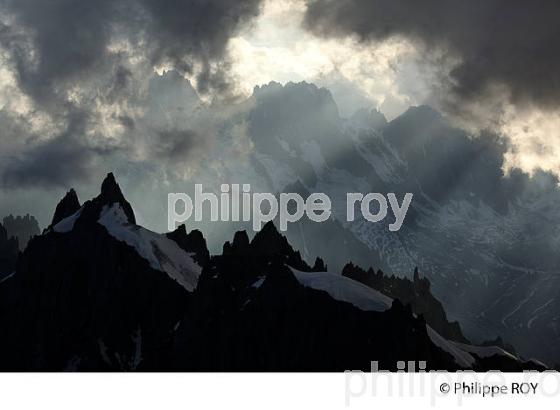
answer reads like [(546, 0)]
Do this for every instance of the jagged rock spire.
[(110, 189), (240, 242), (319, 265), (191, 242), (67, 206), (269, 240), (111, 194)]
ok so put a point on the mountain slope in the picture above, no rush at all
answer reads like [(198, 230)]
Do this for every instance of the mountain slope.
[(87, 298), (8, 253), (486, 241), (260, 307), (98, 292)]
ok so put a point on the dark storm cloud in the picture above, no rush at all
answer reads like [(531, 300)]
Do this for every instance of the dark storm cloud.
[(197, 28), (63, 40), (51, 42), (511, 43), (175, 144), (53, 163), (56, 163), (65, 56)]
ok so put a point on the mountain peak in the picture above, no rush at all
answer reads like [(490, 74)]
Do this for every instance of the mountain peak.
[(111, 193), (191, 242), (268, 234), (66, 207), (110, 186), (268, 241)]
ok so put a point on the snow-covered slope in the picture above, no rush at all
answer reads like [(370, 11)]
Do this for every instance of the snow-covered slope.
[(67, 224), (365, 298), (462, 357), (483, 351), (162, 253), (345, 289)]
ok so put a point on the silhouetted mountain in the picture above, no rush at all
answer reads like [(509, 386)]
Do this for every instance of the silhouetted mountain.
[(319, 265), (22, 227), (253, 310), (97, 292), (485, 240), (415, 292), (498, 341), (66, 207), (193, 242), (328, 238), (8, 253)]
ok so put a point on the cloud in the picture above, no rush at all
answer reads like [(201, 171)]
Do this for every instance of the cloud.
[(491, 64), (56, 43), (277, 48), (534, 142), (503, 42), (175, 144), (60, 59), (50, 164)]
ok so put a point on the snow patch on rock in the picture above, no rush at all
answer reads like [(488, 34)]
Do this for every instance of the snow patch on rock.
[(461, 357), (162, 253), (345, 289), (484, 351), (67, 224)]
